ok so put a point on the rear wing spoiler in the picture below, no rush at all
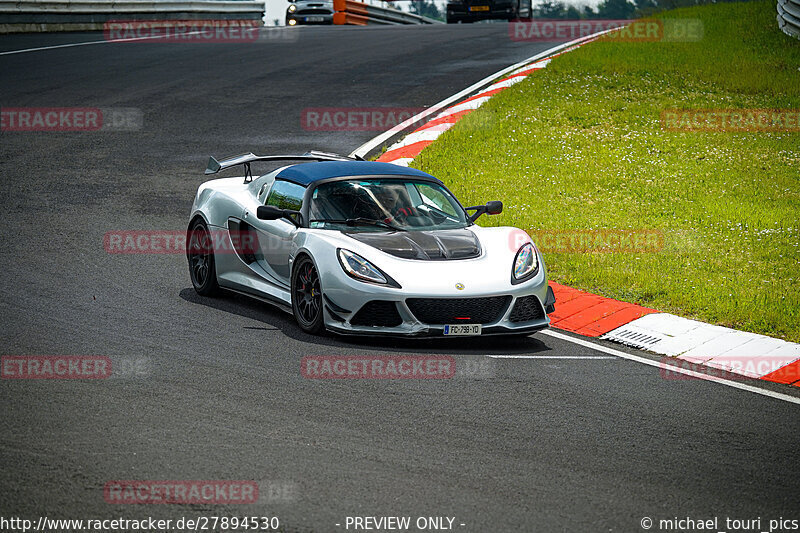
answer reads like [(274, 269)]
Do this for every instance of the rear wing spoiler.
[(215, 166)]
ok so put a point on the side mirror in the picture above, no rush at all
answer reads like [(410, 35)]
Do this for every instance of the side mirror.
[(270, 212), (494, 208)]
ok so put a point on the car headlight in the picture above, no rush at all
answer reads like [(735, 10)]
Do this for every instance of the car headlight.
[(359, 268), (292, 8), (526, 263)]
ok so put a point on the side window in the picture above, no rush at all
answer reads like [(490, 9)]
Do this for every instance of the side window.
[(436, 198), (286, 195)]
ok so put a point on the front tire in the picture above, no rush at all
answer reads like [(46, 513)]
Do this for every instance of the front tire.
[(307, 297), (200, 253)]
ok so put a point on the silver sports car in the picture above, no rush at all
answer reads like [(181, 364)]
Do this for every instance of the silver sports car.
[(358, 247)]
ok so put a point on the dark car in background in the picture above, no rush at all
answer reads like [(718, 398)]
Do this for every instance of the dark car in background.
[(473, 10), (309, 12)]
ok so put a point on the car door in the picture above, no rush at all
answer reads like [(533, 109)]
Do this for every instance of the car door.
[(275, 236)]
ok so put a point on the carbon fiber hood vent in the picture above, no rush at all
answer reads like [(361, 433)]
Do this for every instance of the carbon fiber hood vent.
[(439, 245)]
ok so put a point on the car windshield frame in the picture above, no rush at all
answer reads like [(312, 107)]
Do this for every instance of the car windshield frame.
[(384, 200)]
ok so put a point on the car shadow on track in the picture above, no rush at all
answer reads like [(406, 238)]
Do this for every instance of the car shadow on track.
[(278, 319)]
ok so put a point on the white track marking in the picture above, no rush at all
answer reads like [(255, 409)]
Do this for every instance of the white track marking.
[(508, 82), (675, 369), (535, 66), (427, 134), (695, 341), (87, 43)]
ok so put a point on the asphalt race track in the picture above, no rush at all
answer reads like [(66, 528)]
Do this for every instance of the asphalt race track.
[(210, 389)]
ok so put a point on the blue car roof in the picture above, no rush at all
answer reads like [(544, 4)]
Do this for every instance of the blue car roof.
[(308, 173)]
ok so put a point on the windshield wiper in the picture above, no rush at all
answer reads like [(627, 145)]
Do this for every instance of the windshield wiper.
[(361, 221)]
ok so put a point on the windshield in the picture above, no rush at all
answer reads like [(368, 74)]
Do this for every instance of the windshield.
[(381, 204)]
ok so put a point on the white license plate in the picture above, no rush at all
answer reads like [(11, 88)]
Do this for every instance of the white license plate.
[(314, 19), (462, 329)]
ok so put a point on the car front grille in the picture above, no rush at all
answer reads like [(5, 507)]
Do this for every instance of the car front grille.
[(527, 308), (377, 313), (322, 11), (458, 310)]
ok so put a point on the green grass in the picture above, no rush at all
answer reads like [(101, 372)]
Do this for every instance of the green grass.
[(579, 146)]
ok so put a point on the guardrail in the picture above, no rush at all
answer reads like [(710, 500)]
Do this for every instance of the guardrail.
[(360, 14), (789, 17), (65, 15)]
